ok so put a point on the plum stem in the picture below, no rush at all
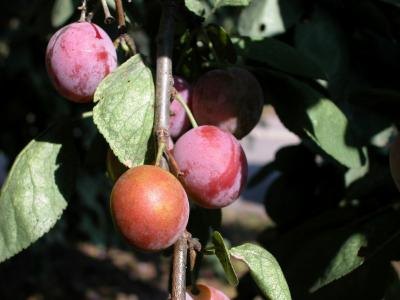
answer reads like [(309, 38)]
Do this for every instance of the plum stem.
[(176, 95), (83, 9), (108, 18), (160, 151)]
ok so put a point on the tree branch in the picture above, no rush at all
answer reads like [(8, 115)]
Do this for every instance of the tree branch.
[(164, 82), (120, 16), (108, 18)]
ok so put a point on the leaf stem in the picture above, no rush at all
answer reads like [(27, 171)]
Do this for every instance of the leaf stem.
[(178, 97)]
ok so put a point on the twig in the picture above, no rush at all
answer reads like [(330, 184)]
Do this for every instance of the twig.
[(165, 40), (121, 16), (164, 82), (83, 9), (179, 268), (123, 32), (108, 18)]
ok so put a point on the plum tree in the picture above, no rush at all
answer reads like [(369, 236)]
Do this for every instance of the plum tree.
[(179, 122), (78, 57), (149, 207), (231, 99), (205, 292), (213, 165), (394, 161)]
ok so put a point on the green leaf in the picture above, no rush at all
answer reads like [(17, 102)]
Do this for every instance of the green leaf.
[(34, 194), (197, 7), (125, 111), (220, 3), (330, 130), (61, 12), (345, 261), (279, 56), (264, 269), (310, 114), (265, 18), (222, 252), (221, 43), (322, 40)]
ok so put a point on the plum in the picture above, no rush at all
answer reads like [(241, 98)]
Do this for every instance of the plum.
[(213, 166), (149, 207), (206, 292), (178, 121), (230, 99), (78, 57)]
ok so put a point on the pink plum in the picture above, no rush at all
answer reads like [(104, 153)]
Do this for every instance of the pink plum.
[(213, 165), (78, 57), (179, 122)]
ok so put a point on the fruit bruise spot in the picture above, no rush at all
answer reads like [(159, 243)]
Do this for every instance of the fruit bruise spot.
[(102, 56)]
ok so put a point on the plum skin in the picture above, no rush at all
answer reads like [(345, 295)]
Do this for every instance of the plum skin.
[(78, 57), (206, 292), (149, 207), (178, 121), (231, 99), (213, 166)]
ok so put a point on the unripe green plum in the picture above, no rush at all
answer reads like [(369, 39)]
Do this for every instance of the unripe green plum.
[(149, 207), (78, 57), (179, 121), (394, 161), (206, 292), (230, 99), (213, 166)]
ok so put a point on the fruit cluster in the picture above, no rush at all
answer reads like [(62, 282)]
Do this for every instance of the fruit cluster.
[(150, 206)]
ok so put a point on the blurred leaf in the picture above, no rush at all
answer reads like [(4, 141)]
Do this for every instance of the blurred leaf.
[(264, 269), (321, 40), (394, 2), (279, 56), (382, 101), (354, 174), (198, 7), (261, 174), (346, 260), (393, 290), (308, 113), (220, 3), (221, 43), (34, 194), (61, 12), (265, 18), (125, 111), (222, 252), (202, 222)]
